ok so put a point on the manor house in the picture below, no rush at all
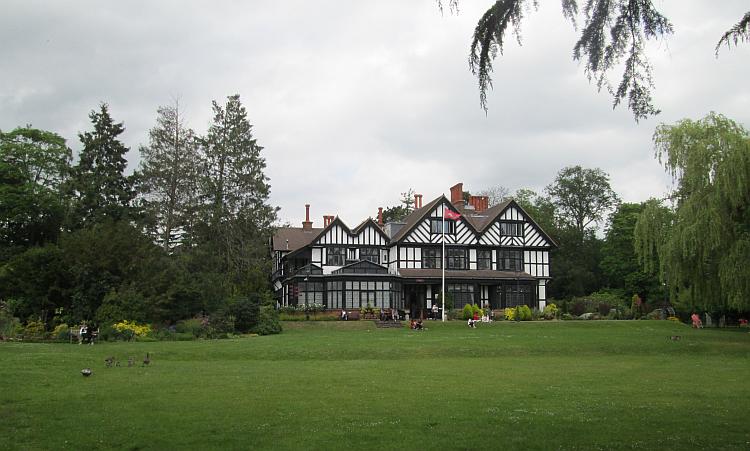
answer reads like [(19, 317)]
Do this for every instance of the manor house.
[(494, 256)]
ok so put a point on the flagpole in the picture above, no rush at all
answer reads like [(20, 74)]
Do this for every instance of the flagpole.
[(442, 257)]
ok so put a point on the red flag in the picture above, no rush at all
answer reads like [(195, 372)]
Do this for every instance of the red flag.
[(450, 214)]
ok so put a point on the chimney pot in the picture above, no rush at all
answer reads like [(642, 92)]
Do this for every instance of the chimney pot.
[(380, 216)]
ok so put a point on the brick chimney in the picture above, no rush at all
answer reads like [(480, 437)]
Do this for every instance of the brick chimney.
[(380, 217), (457, 195), (327, 220), (417, 201), (307, 224), (480, 203)]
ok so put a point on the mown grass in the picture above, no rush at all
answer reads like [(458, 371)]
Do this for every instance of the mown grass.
[(333, 385)]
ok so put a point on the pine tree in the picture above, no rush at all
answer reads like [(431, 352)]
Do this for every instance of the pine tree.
[(236, 192), (99, 185), (168, 176)]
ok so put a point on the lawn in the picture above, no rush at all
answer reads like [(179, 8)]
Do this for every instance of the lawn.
[(332, 385)]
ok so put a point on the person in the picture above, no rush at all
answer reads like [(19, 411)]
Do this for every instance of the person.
[(419, 324), (82, 332), (412, 324), (697, 323), (344, 316), (394, 314), (435, 311), (382, 314)]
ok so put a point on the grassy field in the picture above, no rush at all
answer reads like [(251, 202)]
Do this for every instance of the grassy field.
[(331, 385)]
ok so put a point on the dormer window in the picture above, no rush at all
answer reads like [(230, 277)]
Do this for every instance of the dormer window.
[(370, 254), (335, 256)]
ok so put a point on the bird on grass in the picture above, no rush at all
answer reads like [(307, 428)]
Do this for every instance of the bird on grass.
[(87, 372), (146, 360), (131, 362)]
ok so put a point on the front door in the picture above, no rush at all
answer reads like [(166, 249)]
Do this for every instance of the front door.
[(416, 301)]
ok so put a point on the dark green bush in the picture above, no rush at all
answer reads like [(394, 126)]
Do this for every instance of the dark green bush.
[(192, 326), (34, 330), (268, 321), (524, 313)]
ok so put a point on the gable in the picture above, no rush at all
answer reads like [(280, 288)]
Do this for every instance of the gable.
[(533, 236), (422, 231), (368, 234)]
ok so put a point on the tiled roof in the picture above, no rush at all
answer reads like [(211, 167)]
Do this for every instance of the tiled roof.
[(297, 236)]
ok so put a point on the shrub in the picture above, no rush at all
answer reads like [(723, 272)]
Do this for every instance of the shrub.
[(454, 314), (550, 311), (61, 332), (477, 311), (604, 308), (193, 326), (468, 312), (10, 326), (578, 308), (535, 314), (566, 317), (524, 312), (246, 312), (268, 321), (509, 313), (128, 330), (34, 330)]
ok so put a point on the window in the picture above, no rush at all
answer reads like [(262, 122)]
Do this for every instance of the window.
[(431, 258), (352, 255), (516, 295), (462, 294), (335, 256), (436, 226), (510, 260), (484, 259), (377, 294), (334, 296), (511, 228), (455, 258), (371, 254), (310, 293)]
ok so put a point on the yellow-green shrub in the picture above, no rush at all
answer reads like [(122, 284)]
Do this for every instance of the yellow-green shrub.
[(510, 313), (130, 329)]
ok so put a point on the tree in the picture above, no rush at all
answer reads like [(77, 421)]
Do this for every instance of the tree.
[(496, 194), (619, 263), (613, 36), (99, 185), (33, 166), (398, 213), (168, 177), (703, 246), (582, 197), (236, 210)]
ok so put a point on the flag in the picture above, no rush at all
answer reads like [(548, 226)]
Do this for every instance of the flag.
[(450, 214)]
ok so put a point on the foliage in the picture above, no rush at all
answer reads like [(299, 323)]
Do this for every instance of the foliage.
[(169, 177), (192, 326), (496, 194), (34, 330), (739, 32), (61, 332), (550, 311), (99, 186), (468, 312), (524, 312), (130, 329), (10, 326), (475, 310), (510, 313), (268, 321), (701, 249), (246, 311), (613, 35), (582, 197), (33, 166), (398, 213), (619, 263)]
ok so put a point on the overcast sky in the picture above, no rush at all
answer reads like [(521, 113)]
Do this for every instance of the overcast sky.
[(355, 102)]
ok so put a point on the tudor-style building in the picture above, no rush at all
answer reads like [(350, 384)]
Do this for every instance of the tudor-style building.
[(493, 256)]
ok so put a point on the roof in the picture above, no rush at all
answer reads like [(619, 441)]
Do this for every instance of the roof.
[(415, 217), (482, 220), (466, 274), (297, 237)]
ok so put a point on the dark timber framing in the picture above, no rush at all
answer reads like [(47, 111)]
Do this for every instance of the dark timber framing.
[(496, 257)]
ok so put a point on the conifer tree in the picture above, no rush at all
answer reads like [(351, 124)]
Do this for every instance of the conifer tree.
[(235, 191), (100, 187), (168, 178)]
